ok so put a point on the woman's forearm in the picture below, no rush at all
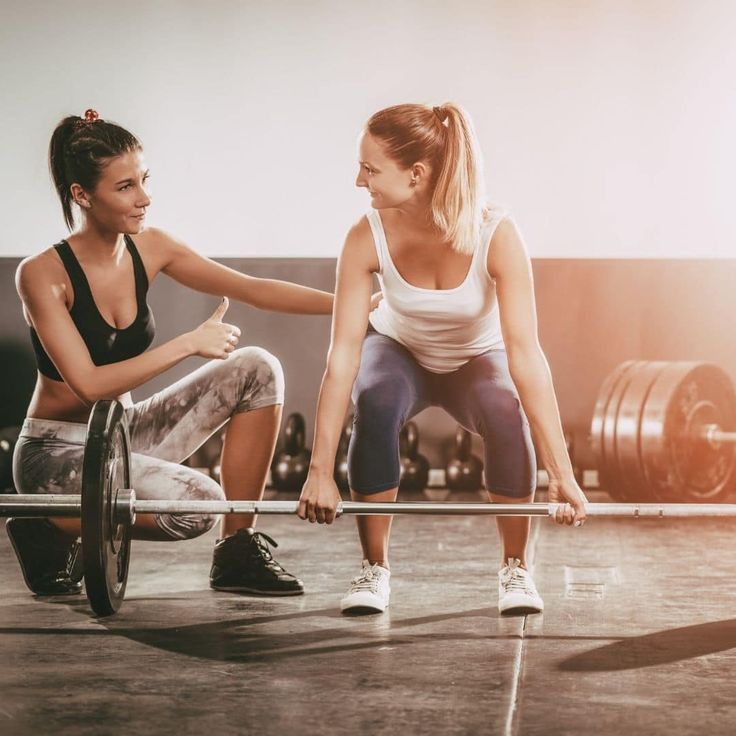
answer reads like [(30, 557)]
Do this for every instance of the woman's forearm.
[(533, 380), (110, 381), (334, 397), (283, 296)]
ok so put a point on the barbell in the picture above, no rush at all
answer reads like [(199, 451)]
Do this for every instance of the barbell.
[(125, 507), (687, 407)]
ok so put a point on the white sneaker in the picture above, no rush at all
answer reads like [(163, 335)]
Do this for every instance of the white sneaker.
[(516, 590), (369, 592)]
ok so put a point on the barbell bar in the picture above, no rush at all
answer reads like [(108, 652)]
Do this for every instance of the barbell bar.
[(126, 506), (713, 434)]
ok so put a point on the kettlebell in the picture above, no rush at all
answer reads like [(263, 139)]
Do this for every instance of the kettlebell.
[(414, 466), (341, 459), (464, 472), (290, 467)]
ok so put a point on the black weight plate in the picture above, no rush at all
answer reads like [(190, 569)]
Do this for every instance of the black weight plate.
[(604, 424), (633, 485), (682, 466), (105, 541)]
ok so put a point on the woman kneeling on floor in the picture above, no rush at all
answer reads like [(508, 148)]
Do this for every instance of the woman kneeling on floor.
[(457, 328), (85, 302)]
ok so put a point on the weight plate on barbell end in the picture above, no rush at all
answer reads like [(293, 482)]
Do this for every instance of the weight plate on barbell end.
[(604, 424), (631, 481), (105, 537), (680, 464)]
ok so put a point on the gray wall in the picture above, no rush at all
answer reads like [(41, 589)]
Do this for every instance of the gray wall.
[(607, 126), (593, 314)]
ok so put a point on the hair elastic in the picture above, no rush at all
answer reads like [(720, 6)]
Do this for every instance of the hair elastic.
[(440, 113), (90, 116)]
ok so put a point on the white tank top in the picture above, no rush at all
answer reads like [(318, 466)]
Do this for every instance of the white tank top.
[(442, 328)]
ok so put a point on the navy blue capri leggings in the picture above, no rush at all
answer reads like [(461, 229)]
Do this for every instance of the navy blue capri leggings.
[(392, 387)]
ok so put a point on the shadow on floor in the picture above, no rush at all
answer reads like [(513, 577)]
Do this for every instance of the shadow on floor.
[(233, 640), (662, 647)]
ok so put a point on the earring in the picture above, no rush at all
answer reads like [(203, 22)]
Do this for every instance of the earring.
[(413, 181)]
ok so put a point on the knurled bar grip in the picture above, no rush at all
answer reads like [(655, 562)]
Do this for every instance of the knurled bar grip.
[(33, 504)]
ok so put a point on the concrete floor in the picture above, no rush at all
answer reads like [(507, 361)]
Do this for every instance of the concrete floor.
[(638, 637)]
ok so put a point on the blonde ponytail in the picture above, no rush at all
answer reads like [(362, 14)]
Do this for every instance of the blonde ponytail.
[(457, 200)]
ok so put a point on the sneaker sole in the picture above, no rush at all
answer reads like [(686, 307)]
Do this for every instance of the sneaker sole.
[(361, 610), (521, 610), (57, 594), (255, 591), (360, 606)]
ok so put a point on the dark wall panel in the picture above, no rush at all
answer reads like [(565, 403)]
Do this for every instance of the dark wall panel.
[(593, 314)]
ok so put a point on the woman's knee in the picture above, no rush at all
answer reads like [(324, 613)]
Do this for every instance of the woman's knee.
[(499, 407), (383, 401), (185, 526), (191, 485), (381, 408), (261, 375)]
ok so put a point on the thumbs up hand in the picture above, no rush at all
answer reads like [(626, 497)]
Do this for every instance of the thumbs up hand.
[(215, 338), (219, 313)]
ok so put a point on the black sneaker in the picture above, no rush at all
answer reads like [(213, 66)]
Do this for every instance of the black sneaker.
[(51, 562), (243, 563)]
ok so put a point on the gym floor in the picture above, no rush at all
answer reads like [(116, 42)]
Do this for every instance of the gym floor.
[(638, 637)]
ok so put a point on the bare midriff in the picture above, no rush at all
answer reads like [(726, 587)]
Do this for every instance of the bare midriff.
[(55, 400)]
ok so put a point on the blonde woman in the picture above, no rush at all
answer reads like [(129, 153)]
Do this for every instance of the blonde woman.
[(457, 328)]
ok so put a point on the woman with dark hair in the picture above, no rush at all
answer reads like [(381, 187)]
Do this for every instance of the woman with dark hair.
[(457, 328), (85, 302)]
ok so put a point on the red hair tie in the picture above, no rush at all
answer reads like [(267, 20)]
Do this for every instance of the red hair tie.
[(90, 116)]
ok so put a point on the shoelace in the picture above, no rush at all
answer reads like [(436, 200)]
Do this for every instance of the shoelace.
[(261, 542), (74, 563), (513, 578), (367, 580)]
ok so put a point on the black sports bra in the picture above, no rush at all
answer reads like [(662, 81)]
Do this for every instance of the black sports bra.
[(106, 344)]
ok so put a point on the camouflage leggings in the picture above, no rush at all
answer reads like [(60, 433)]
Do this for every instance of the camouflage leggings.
[(164, 430)]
